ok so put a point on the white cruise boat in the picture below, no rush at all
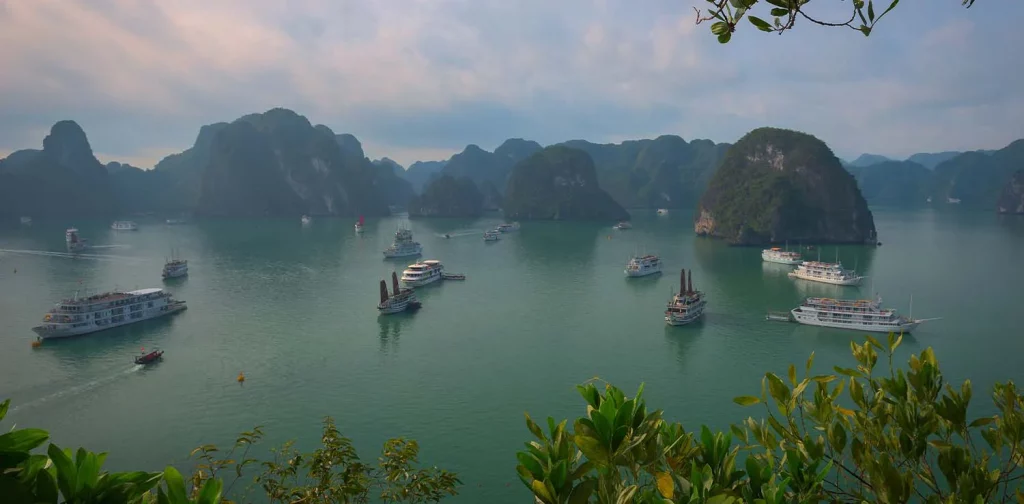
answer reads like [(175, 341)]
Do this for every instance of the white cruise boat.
[(856, 314), (306, 220), (77, 316), (403, 245), (777, 255), (662, 211), (639, 266), (623, 225), (491, 235), (26, 221), (830, 273), (175, 268), (124, 225), (73, 242), (400, 301), (359, 225), (508, 228), (422, 273), (687, 305)]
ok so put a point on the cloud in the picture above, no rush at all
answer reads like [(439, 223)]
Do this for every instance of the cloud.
[(424, 78)]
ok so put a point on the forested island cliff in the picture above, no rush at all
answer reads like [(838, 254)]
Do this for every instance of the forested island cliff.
[(277, 163)]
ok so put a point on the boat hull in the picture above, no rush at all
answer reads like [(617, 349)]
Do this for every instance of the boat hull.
[(811, 318), (674, 320), (831, 281), (642, 272), (420, 282), (46, 332), (778, 260), (175, 274)]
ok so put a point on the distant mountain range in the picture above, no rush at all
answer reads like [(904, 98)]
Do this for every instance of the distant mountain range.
[(278, 163)]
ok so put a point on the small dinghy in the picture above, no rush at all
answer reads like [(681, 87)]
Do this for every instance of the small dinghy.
[(149, 358)]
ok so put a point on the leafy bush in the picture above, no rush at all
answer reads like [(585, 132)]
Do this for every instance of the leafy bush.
[(905, 438)]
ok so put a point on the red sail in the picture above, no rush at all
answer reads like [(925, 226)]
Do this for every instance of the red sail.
[(383, 291), (394, 282), (689, 283), (360, 220), (682, 281)]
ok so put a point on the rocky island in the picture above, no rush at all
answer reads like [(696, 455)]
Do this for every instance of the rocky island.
[(447, 196), (1011, 201), (777, 185), (558, 183)]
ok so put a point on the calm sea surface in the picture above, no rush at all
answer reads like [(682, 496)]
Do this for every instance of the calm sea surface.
[(543, 309)]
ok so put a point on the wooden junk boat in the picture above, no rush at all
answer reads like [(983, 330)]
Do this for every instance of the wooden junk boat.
[(403, 298)]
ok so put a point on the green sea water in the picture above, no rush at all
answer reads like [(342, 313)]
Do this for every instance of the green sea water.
[(543, 309)]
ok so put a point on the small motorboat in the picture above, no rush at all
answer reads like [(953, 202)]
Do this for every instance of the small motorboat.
[(446, 235), (453, 276), (149, 358)]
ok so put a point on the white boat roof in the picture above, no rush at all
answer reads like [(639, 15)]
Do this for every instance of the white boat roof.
[(432, 261), (143, 292)]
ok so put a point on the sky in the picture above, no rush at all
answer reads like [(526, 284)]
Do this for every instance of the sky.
[(421, 79)]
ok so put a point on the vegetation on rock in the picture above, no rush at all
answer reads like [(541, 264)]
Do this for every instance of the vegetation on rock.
[(64, 178), (776, 185), (893, 183), (977, 179), (558, 182), (447, 196), (1012, 199), (666, 172)]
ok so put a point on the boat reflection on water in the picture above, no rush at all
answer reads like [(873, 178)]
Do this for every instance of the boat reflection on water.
[(391, 331), (771, 269)]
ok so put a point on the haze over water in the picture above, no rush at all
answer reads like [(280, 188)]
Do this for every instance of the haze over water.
[(543, 309)]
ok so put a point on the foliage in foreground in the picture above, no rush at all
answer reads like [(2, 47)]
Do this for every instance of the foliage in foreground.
[(903, 437), (727, 15), (332, 473)]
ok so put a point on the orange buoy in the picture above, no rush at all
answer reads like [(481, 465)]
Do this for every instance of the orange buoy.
[(241, 377), (37, 344)]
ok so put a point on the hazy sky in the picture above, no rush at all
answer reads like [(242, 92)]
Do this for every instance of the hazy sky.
[(420, 79)]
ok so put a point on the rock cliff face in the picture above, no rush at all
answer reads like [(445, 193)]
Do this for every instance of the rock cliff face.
[(977, 179), (64, 178), (558, 183), (277, 163), (893, 183), (666, 172), (447, 196), (776, 185), (1012, 199)]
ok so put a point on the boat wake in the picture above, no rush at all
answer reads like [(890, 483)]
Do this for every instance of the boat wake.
[(456, 234), (78, 389), (68, 255)]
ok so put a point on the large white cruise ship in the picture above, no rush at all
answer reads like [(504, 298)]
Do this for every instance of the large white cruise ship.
[(777, 255), (687, 306), (644, 265), (830, 273), (422, 273), (77, 316), (856, 314), (403, 245)]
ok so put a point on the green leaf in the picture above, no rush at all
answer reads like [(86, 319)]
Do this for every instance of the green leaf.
[(210, 494), (847, 371), (746, 400), (792, 375), (719, 28), (558, 474), (779, 391), (665, 485), (531, 464), (582, 492), (592, 449), (626, 494), (837, 437), (765, 27), (66, 471), (541, 491), (534, 428), (779, 12), (3, 408), (175, 486), (784, 4), (866, 30), (23, 440), (871, 11), (891, 7), (982, 421)]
